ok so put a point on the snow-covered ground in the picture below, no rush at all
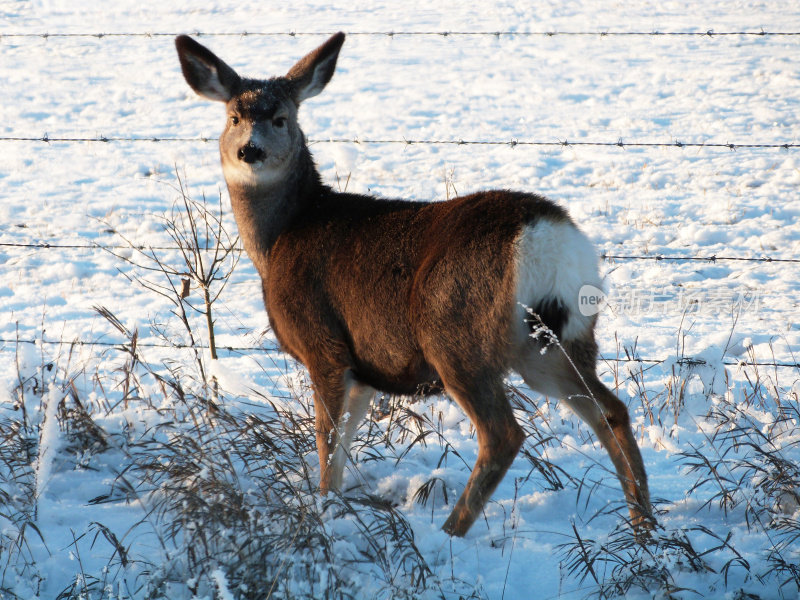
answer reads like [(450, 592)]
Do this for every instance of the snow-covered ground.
[(689, 321)]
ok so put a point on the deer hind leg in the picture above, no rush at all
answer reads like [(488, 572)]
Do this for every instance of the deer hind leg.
[(575, 381), (340, 403), (499, 440)]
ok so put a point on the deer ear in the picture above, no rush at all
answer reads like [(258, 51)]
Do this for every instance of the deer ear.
[(205, 73), (312, 72)]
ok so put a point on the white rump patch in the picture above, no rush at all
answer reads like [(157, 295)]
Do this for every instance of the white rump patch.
[(554, 261)]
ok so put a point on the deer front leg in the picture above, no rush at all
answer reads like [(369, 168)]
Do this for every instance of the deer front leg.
[(326, 438), (357, 398), (328, 402), (340, 403)]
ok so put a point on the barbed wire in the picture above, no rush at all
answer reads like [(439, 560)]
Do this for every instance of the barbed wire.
[(605, 256), (106, 139), (708, 33), (712, 259), (412, 142), (688, 361)]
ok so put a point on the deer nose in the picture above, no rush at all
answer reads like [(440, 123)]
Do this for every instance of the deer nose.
[(250, 153)]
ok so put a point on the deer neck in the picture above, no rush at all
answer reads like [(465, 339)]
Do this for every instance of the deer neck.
[(264, 210)]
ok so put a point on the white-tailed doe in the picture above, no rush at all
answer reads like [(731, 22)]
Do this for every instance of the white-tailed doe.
[(408, 297)]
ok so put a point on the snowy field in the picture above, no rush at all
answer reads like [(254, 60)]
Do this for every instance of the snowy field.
[(126, 473)]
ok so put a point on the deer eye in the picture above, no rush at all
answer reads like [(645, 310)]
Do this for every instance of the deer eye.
[(279, 122), (234, 120)]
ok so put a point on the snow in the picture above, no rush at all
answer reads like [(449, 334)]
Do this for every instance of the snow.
[(222, 585), (688, 324), (49, 442)]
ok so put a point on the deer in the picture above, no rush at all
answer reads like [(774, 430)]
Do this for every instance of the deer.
[(408, 297)]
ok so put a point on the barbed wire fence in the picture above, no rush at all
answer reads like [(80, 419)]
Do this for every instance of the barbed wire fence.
[(564, 143), (604, 256), (10, 344), (7, 344), (786, 146), (706, 33)]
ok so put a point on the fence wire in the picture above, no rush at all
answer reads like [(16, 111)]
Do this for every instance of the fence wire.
[(513, 143), (7, 345), (608, 257), (706, 33)]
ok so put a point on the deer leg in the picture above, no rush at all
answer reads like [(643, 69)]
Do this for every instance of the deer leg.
[(340, 403), (499, 439), (574, 379), (608, 417), (328, 403), (357, 398)]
